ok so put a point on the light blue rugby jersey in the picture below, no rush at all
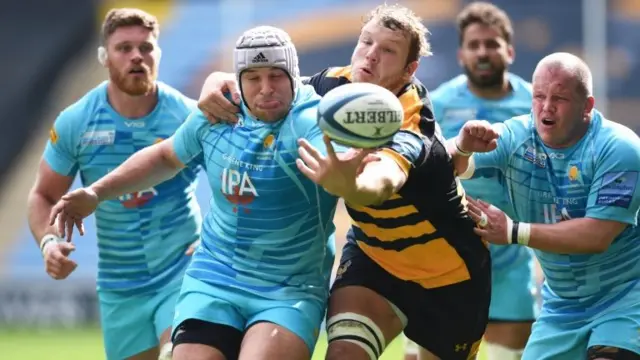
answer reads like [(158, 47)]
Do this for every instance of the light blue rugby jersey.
[(454, 104), (142, 237), (268, 225), (596, 178)]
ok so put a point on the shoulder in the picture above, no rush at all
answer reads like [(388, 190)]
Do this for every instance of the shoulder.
[(85, 108), (520, 85), (518, 124), (175, 101), (449, 89), (303, 115), (330, 78), (617, 141), (522, 93)]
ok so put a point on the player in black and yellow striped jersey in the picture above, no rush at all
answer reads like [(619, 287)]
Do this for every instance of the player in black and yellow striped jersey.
[(412, 261)]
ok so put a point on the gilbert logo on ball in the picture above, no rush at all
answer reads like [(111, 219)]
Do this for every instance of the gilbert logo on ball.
[(360, 115)]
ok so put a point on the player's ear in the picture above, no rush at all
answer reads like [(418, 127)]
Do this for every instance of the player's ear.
[(589, 104), (459, 57), (411, 68), (511, 53), (102, 56)]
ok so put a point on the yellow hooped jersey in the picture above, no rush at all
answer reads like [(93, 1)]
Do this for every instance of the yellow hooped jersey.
[(423, 233)]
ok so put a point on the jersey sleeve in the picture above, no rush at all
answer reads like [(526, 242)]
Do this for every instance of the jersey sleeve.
[(406, 149), (61, 150), (326, 80), (187, 140), (487, 163), (613, 194)]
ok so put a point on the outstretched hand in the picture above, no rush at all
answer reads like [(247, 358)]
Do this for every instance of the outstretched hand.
[(71, 209), (336, 173)]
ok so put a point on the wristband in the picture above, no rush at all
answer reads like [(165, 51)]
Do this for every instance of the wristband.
[(518, 233), (461, 152), (48, 239)]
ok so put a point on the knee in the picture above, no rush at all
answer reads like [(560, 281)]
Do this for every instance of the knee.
[(353, 336), (341, 350)]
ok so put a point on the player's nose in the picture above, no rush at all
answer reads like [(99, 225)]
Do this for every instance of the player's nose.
[(372, 54)]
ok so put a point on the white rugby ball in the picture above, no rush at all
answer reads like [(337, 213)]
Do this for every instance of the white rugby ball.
[(360, 115)]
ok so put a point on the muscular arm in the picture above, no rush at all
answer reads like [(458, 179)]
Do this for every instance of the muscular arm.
[(144, 169), (575, 236), (47, 190), (378, 181)]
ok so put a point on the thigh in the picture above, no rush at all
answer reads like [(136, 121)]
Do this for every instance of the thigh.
[(279, 324), (361, 321), (165, 302), (450, 321), (201, 307), (551, 341), (127, 324), (202, 340), (512, 293), (620, 329)]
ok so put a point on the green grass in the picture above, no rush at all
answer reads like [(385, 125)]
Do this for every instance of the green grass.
[(86, 344)]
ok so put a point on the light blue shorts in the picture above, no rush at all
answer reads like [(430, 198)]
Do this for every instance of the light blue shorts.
[(132, 324), (565, 340), (241, 309), (512, 291)]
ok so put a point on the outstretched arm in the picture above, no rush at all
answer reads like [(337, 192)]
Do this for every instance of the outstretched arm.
[(379, 180), (144, 169)]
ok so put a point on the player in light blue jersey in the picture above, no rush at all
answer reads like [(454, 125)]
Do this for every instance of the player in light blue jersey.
[(488, 91), (260, 278), (572, 178), (142, 235)]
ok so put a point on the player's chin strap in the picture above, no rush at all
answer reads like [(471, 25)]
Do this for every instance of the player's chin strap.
[(518, 232), (358, 330), (102, 55), (166, 352)]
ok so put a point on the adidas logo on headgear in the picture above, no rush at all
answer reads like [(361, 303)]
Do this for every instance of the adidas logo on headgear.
[(266, 46), (260, 58)]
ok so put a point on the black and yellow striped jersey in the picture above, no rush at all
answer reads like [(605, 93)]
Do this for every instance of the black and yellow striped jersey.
[(418, 110), (423, 233)]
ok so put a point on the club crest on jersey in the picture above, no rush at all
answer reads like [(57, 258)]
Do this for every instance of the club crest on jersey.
[(53, 135), (574, 173), (269, 141)]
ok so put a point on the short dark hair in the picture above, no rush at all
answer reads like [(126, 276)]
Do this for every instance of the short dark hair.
[(117, 18), (487, 14)]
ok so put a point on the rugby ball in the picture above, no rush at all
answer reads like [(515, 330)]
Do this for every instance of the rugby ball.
[(360, 115)]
